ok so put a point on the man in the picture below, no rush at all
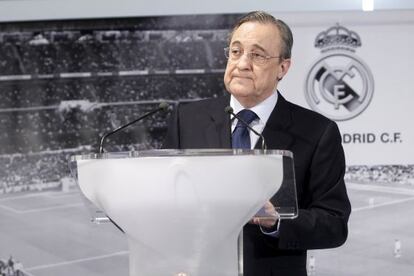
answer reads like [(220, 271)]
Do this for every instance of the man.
[(258, 58)]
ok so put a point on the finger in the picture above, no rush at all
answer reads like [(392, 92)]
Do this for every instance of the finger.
[(268, 223), (265, 222), (270, 208)]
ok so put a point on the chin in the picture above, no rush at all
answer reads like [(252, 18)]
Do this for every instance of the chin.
[(240, 93), (240, 90)]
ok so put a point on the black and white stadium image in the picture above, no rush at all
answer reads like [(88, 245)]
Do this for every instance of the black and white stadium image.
[(65, 83)]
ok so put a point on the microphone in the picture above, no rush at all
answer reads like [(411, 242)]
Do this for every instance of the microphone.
[(163, 106), (230, 111)]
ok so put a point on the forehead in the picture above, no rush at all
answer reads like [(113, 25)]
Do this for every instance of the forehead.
[(252, 34)]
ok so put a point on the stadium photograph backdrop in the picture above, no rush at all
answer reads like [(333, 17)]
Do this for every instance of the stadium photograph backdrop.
[(63, 84)]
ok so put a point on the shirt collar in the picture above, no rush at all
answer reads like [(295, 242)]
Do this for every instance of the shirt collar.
[(263, 109)]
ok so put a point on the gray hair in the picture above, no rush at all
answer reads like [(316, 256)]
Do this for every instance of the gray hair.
[(265, 18)]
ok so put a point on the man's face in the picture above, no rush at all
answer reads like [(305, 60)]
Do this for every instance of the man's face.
[(251, 83)]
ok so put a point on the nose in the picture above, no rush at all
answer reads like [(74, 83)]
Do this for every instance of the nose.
[(244, 62)]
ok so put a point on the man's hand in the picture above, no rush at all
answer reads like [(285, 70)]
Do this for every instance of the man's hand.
[(267, 216)]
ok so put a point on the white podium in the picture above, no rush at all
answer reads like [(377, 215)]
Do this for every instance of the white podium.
[(181, 210)]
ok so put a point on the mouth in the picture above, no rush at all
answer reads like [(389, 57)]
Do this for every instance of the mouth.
[(241, 77)]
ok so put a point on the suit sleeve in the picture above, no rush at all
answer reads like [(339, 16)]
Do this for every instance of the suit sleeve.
[(322, 223)]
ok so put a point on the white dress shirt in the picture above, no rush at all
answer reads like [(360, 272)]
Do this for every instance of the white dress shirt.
[(262, 110)]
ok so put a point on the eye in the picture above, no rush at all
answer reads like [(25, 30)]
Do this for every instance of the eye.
[(236, 52), (257, 56)]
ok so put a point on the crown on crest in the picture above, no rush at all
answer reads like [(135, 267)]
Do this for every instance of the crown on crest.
[(337, 37)]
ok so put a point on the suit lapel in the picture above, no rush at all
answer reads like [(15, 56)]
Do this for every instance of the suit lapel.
[(217, 132), (276, 130)]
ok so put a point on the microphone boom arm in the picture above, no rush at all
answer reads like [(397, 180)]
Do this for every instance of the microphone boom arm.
[(162, 107)]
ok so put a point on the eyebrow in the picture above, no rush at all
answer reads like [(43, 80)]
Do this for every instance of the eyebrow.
[(253, 46)]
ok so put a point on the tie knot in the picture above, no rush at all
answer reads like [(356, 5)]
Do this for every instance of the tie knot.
[(247, 115)]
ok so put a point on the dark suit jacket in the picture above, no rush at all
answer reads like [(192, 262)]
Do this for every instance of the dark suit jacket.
[(319, 161)]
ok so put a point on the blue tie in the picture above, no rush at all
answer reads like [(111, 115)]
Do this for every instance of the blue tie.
[(240, 136)]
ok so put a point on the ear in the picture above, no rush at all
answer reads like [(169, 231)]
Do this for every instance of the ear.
[(283, 68)]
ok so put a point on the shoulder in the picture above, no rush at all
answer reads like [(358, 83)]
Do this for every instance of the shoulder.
[(308, 116), (204, 103), (202, 108), (311, 123), (303, 113)]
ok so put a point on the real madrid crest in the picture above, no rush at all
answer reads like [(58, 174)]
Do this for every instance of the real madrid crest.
[(339, 84)]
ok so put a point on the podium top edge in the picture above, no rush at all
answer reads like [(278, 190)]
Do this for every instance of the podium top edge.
[(176, 153)]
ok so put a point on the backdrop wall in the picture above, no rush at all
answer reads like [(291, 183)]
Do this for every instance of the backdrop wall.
[(382, 133)]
